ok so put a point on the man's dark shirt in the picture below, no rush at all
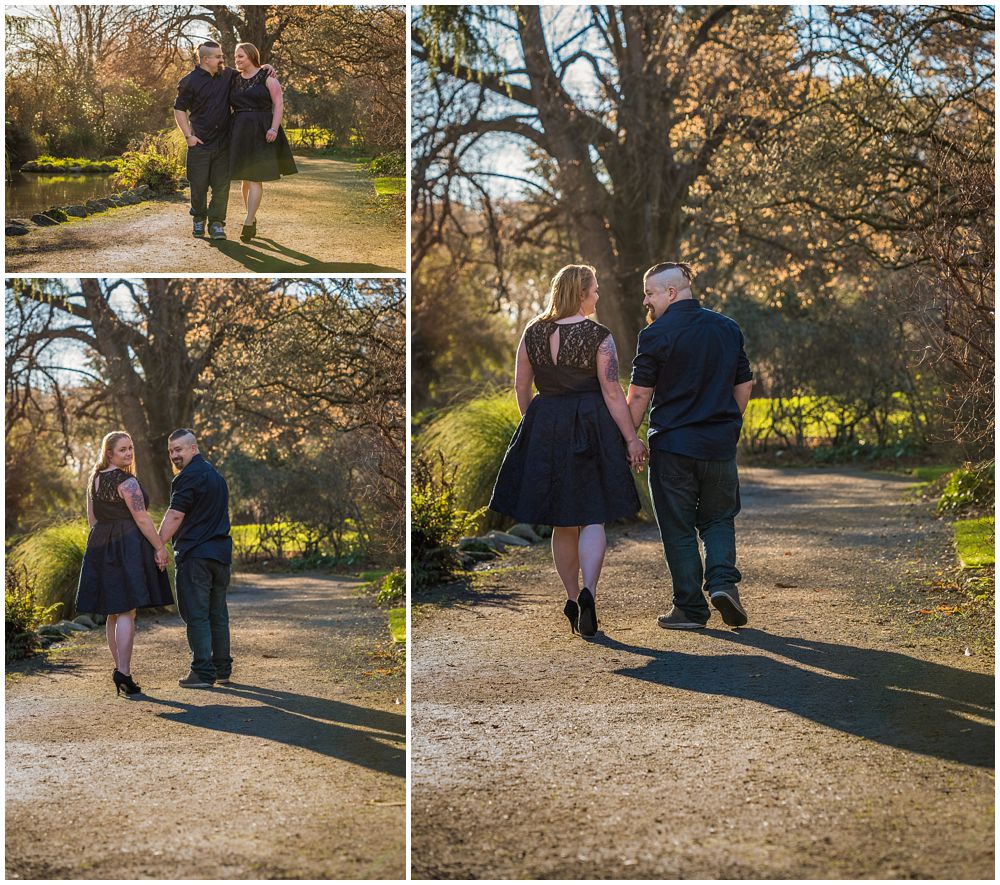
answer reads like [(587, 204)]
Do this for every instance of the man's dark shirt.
[(692, 358), (201, 494), (206, 99)]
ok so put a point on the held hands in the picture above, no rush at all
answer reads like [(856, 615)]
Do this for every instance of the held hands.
[(272, 134), (638, 455), (161, 558)]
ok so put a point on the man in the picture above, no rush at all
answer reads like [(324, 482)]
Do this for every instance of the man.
[(201, 110), (691, 362), (198, 522)]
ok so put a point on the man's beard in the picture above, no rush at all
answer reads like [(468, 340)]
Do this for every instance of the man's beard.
[(650, 315)]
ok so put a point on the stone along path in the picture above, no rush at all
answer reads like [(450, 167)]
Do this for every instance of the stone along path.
[(322, 220), (296, 771), (826, 739)]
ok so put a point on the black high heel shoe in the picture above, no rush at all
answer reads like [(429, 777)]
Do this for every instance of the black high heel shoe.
[(588, 614), (249, 232), (572, 612), (126, 684)]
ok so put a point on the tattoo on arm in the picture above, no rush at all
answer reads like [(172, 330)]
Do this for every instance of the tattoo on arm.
[(608, 349), (132, 494)]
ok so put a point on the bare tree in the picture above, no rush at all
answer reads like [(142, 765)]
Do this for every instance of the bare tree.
[(647, 130), (151, 344)]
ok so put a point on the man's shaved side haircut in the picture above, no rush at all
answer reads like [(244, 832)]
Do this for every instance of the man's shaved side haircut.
[(202, 49), (177, 434), (669, 265)]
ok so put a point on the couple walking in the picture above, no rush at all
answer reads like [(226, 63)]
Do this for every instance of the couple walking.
[(231, 121), (124, 565), (568, 462)]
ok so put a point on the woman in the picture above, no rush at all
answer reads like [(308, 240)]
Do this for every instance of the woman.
[(568, 462), (258, 148), (119, 573)]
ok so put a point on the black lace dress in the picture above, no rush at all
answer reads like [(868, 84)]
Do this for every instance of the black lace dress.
[(119, 572), (251, 158), (567, 463)]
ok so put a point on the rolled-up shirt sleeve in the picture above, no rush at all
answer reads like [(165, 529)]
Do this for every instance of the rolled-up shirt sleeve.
[(182, 494), (646, 365), (183, 100), (743, 371)]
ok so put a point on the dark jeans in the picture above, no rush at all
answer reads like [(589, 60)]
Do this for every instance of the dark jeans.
[(208, 167), (692, 498), (201, 598)]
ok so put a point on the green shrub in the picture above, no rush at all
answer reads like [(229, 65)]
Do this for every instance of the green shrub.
[(22, 614), (391, 164), (392, 587), (52, 557), (436, 524), (161, 172), (969, 487)]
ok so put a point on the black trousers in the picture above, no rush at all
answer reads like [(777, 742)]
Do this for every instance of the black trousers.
[(208, 168)]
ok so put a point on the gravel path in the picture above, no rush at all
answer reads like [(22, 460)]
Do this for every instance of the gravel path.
[(322, 220), (827, 739), (296, 771)]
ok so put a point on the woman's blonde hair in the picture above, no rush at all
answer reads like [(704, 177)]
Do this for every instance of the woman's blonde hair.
[(567, 290), (251, 52), (104, 461)]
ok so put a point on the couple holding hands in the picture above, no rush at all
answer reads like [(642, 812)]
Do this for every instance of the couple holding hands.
[(568, 462), (125, 562)]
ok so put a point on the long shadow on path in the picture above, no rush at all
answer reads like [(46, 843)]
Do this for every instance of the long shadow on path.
[(883, 696), (359, 735), (284, 258)]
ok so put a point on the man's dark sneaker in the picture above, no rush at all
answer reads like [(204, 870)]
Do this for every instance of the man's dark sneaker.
[(225, 680), (199, 227), (727, 601), (217, 231), (193, 680), (677, 620)]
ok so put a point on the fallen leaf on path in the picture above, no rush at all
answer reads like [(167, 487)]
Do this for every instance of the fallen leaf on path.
[(785, 586)]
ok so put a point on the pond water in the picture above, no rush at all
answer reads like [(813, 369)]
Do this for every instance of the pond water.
[(29, 192)]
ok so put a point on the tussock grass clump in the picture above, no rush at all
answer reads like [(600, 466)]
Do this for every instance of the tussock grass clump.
[(471, 439), (52, 556)]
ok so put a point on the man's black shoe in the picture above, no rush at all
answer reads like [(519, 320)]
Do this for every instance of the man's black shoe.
[(675, 619), (217, 231), (199, 227), (728, 603)]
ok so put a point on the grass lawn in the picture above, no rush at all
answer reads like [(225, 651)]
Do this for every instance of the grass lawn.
[(931, 472), (397, 624), (246, 539), (974, 540), (389, 186)]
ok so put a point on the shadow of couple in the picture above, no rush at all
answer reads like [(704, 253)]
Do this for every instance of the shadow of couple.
[(264, 255), (883, 696), (374, 739)]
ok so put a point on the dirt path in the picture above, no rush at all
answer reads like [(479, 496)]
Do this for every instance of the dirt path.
[(296, 771), (825, 740), (324, 219)]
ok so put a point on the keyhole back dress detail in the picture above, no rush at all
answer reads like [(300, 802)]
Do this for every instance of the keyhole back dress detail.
[(567, 463), (119, 572)]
